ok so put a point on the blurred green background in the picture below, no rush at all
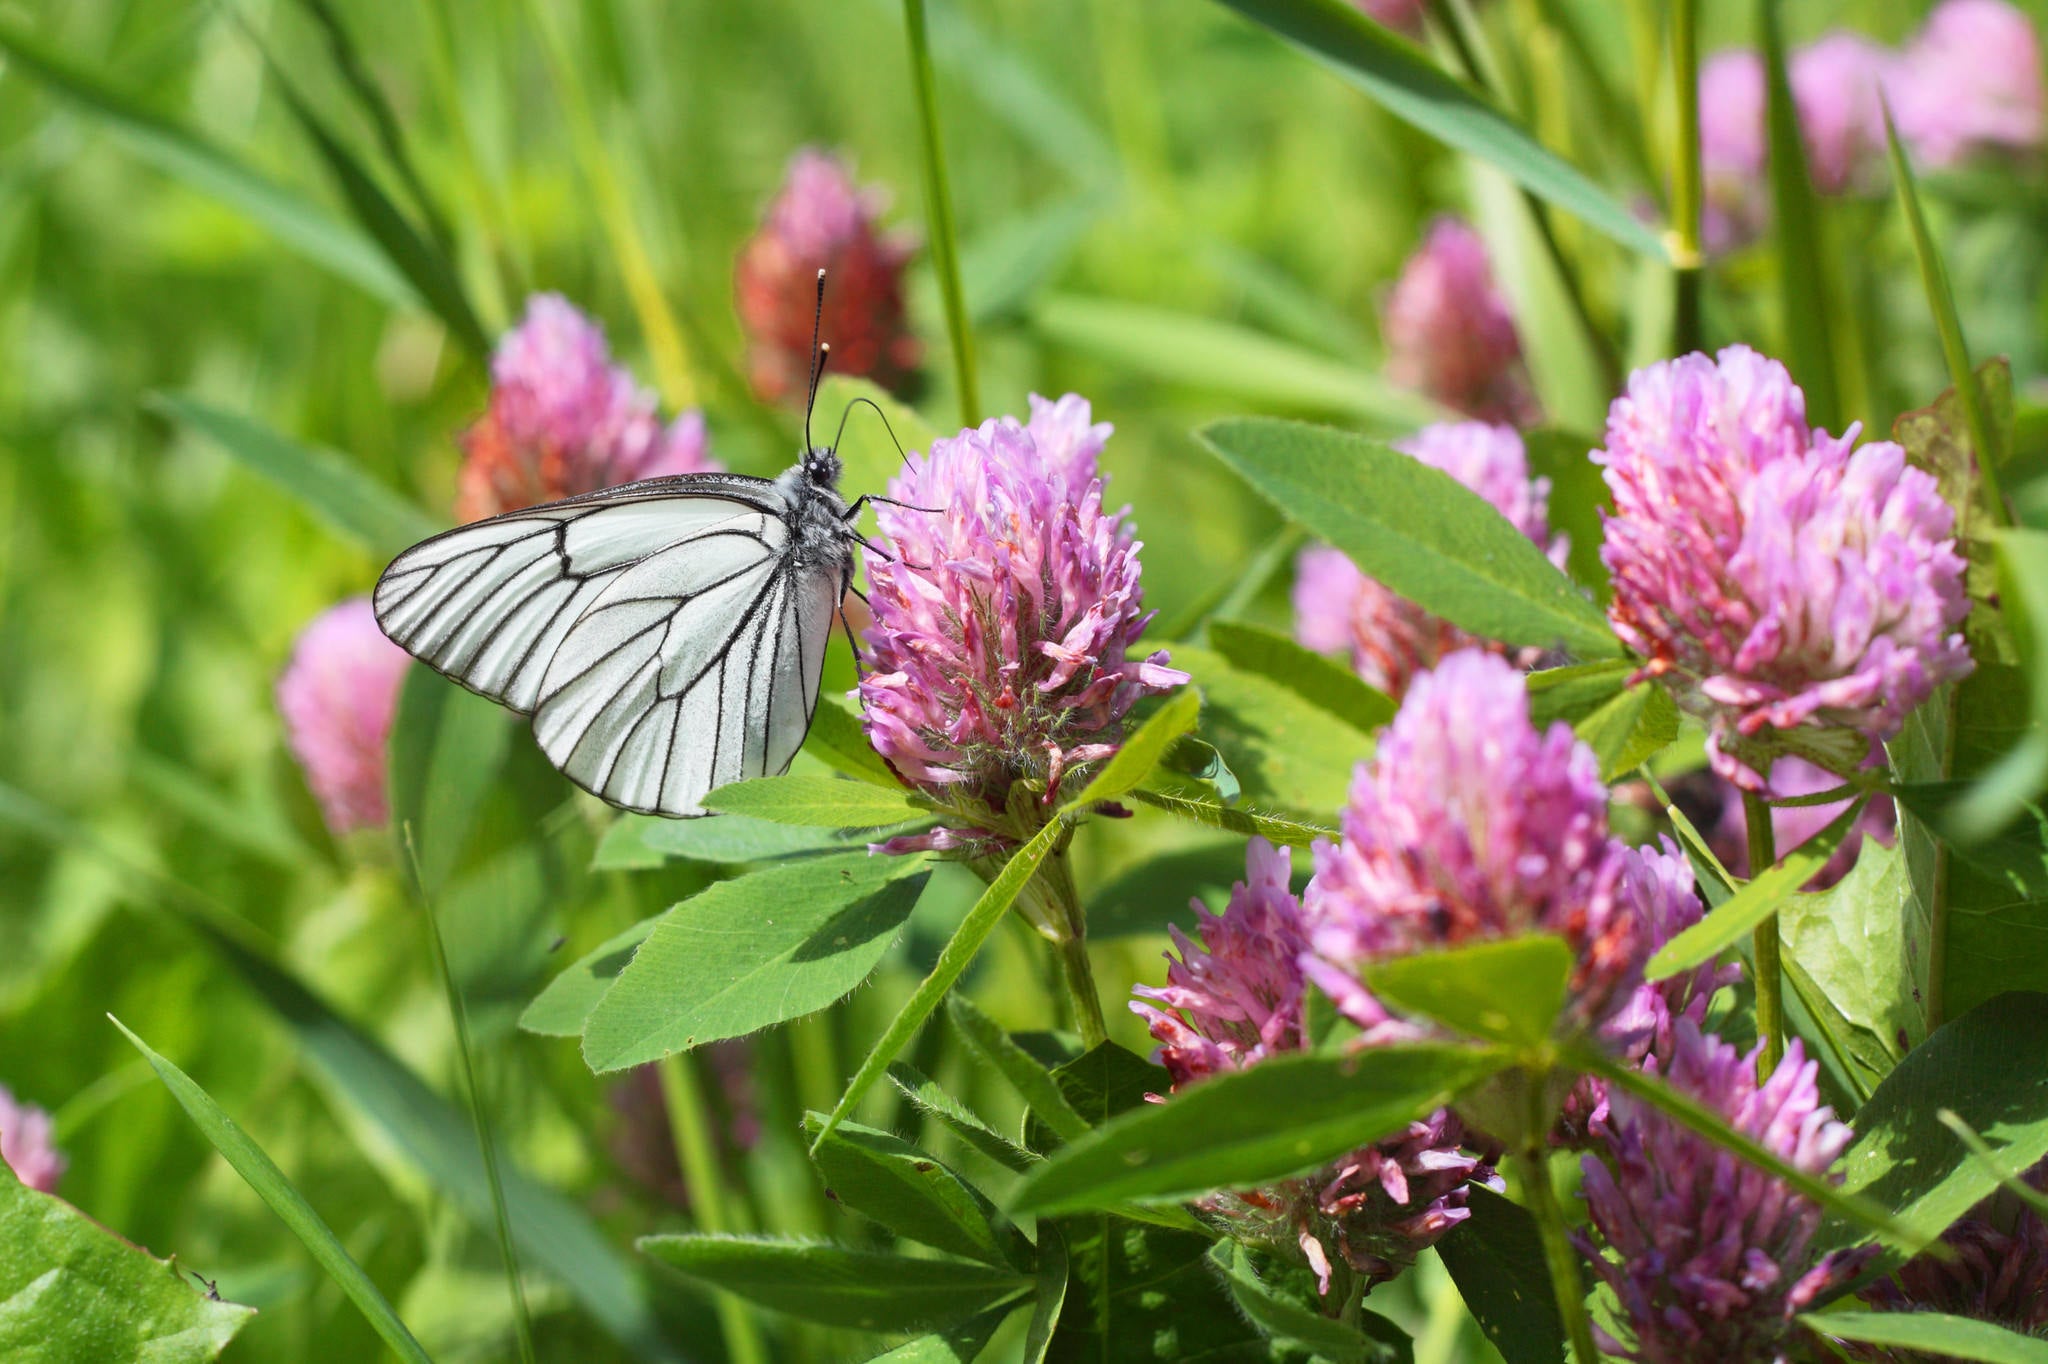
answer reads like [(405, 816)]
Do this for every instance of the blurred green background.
[(1162, 208)]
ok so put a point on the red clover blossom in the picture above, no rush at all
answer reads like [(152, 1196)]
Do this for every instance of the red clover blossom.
[(1007, 615), (1449, 333), (28, 1143), (1792, 588), (1712, 1258), (1234, 999), (337, 697), (563, 419)]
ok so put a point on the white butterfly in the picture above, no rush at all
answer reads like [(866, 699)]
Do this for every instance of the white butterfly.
[(666, 636)]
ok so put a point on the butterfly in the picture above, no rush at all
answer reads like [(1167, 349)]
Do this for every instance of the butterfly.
[(665, 636)]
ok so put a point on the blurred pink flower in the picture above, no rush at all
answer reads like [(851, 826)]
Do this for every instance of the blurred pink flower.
[(821, 220), (1970, 81), (1337, 607), (1405, 15), (1449, 333), (1733, 150), (28, 1145), (1793, 825), (1468, 824), (337, 697), (1005, 620), (1712, 1257), (1777, 577), (1235, 999), (1996, 1269), (1836, 81), (564, 420)]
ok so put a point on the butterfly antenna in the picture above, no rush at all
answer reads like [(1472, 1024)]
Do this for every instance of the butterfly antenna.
[(900, 451), (818, 353)]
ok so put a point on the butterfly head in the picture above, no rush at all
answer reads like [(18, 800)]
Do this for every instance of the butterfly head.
[(821, 466)]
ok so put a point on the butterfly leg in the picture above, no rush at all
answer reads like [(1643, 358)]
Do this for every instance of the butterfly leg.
[(865, 498)]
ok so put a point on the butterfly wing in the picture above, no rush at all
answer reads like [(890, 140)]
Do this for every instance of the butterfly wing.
[(694, 668), (488, 604)]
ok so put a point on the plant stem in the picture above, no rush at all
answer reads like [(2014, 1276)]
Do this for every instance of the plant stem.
[(458, 1013), (1770, 985), (1687, 195), (938, 202), (1058, 878), (706, 1183), (1557, 1245)]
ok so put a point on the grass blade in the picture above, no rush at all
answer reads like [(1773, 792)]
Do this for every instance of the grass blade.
[(269, 1183), (1796, 211), (184, 155), (938, 204), (1942, 302)]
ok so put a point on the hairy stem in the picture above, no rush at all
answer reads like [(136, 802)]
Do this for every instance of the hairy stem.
[(1558, 1253), (1770, 982), (938, 200), (1058, 878)]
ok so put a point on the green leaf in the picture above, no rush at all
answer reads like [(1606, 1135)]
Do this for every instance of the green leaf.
[(269, 1183), (752, 952), (1575, 692), (1137, 1292), (1577, 496), (961, 1344), (1140, 753), (72, 1292), (1629, 730), (1906, 1157), (837, 740), (1205, 809), (1289, 1322), (1933, 1334), (1032, 1081), (333, 488), (2005, 788), (1508, 991), (1850, 943), (448, 747), (1796, 218), (1097, 1085), (1941, 302), (924, 1092), (1285, 1115), (178, 152), (1281, 748), (839, 1287), (886, 1179), (814, 802), (1049, 1295), (562, 1009), (1690, 1113), (422, 263), (1315, 679), (953, 959), (1403, 78), (643, 842), (1758, 899), (1415, 529), (1496, 1259), (1220, 358)]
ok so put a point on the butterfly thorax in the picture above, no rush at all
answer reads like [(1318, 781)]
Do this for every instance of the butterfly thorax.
[(819, 535)]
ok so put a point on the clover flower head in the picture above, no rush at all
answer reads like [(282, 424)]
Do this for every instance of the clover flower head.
[(28, 1143), (821, 220), (1712, 1258), (1389, 638), (1235, 999), (1008, 611), (1779, 578), (563, 420), (1470, 824), (1971, 81), (337, 696), (1658, 887), (1449, 333)]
